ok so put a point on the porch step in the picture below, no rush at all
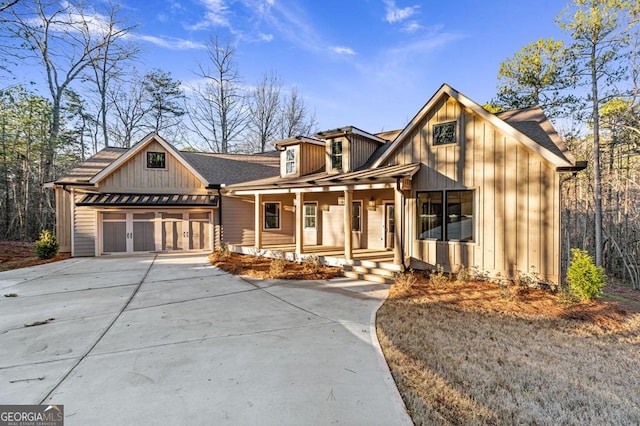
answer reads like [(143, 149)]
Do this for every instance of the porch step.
[(374, 274)]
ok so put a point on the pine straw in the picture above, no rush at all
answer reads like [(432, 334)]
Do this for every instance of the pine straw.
[(267, 268), (18, 254), (473, 353)]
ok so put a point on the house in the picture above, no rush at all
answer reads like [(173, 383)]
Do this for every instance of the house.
[(457, 187), (150, 198)]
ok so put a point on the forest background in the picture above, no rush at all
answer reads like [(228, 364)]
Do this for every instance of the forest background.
[(97, 96)]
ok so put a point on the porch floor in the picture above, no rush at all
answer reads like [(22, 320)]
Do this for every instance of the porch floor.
[(330, 255)]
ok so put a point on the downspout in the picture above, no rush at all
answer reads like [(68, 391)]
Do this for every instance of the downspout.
[(219, 219)]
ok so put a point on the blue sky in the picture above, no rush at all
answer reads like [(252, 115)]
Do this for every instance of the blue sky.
[(367, 63)]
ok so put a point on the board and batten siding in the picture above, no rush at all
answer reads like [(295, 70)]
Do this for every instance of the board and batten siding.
[(134, 176), (360, 150), (309, 158), (516, 196), (63, 219), (84, 233)]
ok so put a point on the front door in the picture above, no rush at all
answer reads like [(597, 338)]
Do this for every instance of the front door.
[(389, 224)]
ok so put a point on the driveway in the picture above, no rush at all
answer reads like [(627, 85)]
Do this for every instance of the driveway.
[(172, 340)]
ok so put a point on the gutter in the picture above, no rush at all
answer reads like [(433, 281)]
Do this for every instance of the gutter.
[(578, 167)]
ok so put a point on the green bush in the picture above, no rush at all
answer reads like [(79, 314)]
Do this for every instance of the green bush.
[(47, 246), (586, 280)]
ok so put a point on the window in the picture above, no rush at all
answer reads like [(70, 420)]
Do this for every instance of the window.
[(454, 222), (156, 160), (460, 215), (290, 161), (356, 216), (309, 215), (444, 133), (271, 215), (429, 215), (336, 155)]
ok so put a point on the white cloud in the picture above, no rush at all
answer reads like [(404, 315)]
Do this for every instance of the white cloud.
[(341, 50), (216, 16), (169, 42), (412, 27), (396, 14)]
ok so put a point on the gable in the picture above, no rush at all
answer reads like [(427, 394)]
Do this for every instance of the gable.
[(481, 153), (132, 172), (446, 93)]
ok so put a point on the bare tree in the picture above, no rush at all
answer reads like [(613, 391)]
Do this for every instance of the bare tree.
[(295, 118), (65, 39), (130, 109), (106, 62), (264, 109), (218, 113)]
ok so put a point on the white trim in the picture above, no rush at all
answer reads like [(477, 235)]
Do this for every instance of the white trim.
[(503, 126), (139, 147), (304, 227)]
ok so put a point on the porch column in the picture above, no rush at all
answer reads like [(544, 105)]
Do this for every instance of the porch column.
[(397, 217), (299, 234), (348, 236), (258, 221)]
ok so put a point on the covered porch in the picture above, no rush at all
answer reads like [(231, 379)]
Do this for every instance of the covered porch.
[(343, 219)]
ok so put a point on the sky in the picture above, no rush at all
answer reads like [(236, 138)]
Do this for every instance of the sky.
[(367, 63)]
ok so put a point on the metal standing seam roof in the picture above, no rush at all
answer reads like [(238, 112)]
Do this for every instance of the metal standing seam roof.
[(146, 200)]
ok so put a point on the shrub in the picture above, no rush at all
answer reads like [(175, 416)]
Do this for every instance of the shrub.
[(220, 254), (586, 280), (438, 277), (47, 246)]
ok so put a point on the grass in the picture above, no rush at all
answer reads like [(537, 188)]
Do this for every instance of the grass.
[(472, 353), (276, 268)]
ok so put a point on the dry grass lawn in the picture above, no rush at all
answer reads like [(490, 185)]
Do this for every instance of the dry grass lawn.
[(476, 353), (266, 268)]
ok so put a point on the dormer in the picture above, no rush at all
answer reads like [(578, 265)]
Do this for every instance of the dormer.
[(348, 148), (300, 156)]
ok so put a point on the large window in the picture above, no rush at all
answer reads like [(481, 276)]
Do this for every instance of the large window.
[(445, 215), (290, 161), (336, 155), (156, 160), (271, 215), (310, 215), (430, 215), (356, 216)]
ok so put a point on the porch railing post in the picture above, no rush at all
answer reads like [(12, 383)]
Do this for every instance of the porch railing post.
[(258, 221), (299, 223), (399, 225), (348, 236)]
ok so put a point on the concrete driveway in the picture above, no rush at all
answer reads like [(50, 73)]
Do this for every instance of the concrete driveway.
[(171, 340)]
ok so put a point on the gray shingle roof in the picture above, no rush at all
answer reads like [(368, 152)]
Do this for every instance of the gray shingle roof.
[(233, 168), (91, 167), (215, 168), (535, 124)]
